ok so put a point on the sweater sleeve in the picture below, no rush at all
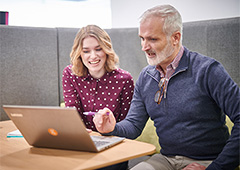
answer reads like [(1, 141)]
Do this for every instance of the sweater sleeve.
[(226, 94)]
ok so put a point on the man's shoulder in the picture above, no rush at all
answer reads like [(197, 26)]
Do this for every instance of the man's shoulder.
[(198, 58), (147, 72), (148, 68)]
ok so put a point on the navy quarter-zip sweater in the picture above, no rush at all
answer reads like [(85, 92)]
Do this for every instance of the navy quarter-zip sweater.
[(190, 120)]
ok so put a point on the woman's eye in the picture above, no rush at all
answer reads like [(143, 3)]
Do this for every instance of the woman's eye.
[(85, 51), (98, 49)]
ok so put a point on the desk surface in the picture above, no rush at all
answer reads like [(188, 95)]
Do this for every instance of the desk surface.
[(15, 153)]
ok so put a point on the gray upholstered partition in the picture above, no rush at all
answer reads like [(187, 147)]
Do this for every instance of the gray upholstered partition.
[(127, 45), (218, 39), (29, 67), (65, 41), (32, 59)]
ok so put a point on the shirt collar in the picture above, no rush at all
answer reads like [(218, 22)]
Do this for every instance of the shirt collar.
[(102, 80), (177, 59), (174, 64)]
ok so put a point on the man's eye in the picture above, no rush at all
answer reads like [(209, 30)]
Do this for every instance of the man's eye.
[(153, 39)]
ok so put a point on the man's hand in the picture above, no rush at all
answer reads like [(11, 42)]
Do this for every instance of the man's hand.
[(104, 121), (194, 166)]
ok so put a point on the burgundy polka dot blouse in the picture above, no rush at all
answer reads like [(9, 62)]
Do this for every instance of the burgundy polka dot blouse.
[(114, 90)]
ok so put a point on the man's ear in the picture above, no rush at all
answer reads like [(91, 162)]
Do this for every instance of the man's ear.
[(176, 37)]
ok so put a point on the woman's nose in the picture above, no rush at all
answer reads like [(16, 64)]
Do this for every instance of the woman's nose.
[(93, 54)]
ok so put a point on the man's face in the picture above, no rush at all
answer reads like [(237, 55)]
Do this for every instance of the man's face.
[(156, 45)]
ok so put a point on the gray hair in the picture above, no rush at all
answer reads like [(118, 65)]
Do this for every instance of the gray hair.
[(172, 18)]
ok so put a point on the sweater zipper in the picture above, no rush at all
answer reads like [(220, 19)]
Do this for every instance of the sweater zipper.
[(178, 72), (165, 91)]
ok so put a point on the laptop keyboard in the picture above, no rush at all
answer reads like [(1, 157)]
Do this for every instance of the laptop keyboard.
[(100, 143), (100, 140)]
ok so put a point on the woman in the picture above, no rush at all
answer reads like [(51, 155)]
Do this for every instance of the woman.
[(93, 81)]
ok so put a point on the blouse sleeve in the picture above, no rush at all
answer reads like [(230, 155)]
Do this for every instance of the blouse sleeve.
[(126, 97), (70, 94)]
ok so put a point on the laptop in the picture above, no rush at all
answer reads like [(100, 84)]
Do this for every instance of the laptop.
[(56, 127)]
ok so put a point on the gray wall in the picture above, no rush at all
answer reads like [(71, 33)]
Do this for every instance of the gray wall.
[(29, 67), (126, 13)]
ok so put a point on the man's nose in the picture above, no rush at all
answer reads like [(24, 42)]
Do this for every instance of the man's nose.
[(145, 46)]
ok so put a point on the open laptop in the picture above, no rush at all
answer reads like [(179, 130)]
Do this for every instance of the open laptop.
[(56, 127)]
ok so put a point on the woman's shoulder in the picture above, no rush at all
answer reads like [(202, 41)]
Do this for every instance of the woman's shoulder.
[(68, 68), (122, 73)]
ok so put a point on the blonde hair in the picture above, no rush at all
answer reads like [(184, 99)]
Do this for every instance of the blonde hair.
[(78, 68)]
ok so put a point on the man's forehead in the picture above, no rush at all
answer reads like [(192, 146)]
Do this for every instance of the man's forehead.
[(146, 34), (149, 30)]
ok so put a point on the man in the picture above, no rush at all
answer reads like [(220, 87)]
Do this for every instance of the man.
[(186, 95)]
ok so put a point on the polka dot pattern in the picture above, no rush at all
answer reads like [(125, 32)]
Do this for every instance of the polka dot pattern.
[(114, 90)]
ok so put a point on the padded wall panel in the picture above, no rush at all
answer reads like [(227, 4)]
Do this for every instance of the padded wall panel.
[(218, 39), (195, 36), (65, 41), (28, 66), (127, 45), (223, 44)]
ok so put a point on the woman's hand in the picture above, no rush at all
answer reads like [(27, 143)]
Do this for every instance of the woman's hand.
[(89, 130)]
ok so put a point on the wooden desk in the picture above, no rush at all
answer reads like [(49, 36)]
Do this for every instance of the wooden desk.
[(15, 153)]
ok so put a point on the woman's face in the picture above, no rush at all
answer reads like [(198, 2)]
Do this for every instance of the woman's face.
[(93, 57)]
